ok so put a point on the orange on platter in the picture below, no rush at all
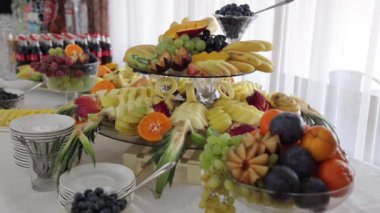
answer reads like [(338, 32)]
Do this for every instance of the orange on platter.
[(103, 85), (266, 119), (103, 70), (336, 174), (73, 50), (320, 142), (153, 126)]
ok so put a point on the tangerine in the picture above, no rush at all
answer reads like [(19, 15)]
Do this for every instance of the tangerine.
[(153, 126), (335, 173), (102, 85), (73, 50), (266, 119)]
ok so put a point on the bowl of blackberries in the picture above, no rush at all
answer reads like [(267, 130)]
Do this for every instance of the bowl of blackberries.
[(11, 98), (234, 20), (97, 201)]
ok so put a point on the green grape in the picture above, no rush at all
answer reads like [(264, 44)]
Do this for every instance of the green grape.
[(218, 164), (217, 149), (213, 182), (235, 140), (228, 185), (225, 136), (178, 43), (207, 146), (52, 51), (203, 204), (205, 195), (161, 48), (223, 143), (200, 45), (185, 38), (189, 45), (171, 49), (196, 38), (212, 140), (167, 40), (225, 150)]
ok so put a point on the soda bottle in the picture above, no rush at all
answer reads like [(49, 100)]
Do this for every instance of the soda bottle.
[(69, 39), (35, 54), (22, 51), (94, 46), (57, 40), (45, 44), (106, 49), (82, 42)]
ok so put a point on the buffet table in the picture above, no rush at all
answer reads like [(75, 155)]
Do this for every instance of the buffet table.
[(17, 196)]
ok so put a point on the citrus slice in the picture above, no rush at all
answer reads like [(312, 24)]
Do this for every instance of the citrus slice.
[(102, 85), (153, 126), (73, 50)]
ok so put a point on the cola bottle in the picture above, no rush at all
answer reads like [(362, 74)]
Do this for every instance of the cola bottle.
[(68, 39), (106, 49), (35, 54), (81, 40), (22, 51), (45, 44), (57, 40), (94, 46)]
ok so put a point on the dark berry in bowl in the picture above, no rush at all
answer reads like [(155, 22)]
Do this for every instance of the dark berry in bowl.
[(288, 126), (281, 180), (300, 160), (316, 197)]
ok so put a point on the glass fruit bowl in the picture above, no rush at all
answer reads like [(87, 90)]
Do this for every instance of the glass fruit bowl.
[(262, 200), (74, 78), (234, 26)]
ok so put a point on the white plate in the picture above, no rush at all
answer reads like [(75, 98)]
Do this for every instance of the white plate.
[(43, 135), (110, 177), (41, 123)]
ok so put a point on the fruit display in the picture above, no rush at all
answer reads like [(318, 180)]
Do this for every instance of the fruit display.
[(282, 163), (68, 70), (97, 201), (189, 49)]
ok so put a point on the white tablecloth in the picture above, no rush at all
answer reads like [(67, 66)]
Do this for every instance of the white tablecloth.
[(17, 196)]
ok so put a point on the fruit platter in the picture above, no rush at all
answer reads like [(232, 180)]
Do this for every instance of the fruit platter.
[(267, 150)]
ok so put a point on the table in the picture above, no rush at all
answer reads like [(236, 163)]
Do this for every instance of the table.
[(17, 196)]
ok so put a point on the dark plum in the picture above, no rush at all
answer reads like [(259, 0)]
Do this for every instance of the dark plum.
[(288, 126), (300, 160), (314, 202), (281, 180)]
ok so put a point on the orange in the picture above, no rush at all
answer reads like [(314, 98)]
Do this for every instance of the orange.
[(336, 174), (153, 126), (102, 85), (73, 50), (266, 119), (103, 70), (320, 142)]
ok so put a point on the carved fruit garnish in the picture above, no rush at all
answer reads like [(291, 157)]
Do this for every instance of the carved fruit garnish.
[(247, 164), (267, 142)]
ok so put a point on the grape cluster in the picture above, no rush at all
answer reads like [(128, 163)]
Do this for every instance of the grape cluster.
[(213, 42), (51, 66), (97, 202), (193, 45), (234, 10), (217, 187)]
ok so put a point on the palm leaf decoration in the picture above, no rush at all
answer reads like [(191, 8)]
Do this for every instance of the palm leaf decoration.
[(170, 150)]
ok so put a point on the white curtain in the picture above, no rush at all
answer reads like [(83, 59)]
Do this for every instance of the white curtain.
[(325, 51)]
